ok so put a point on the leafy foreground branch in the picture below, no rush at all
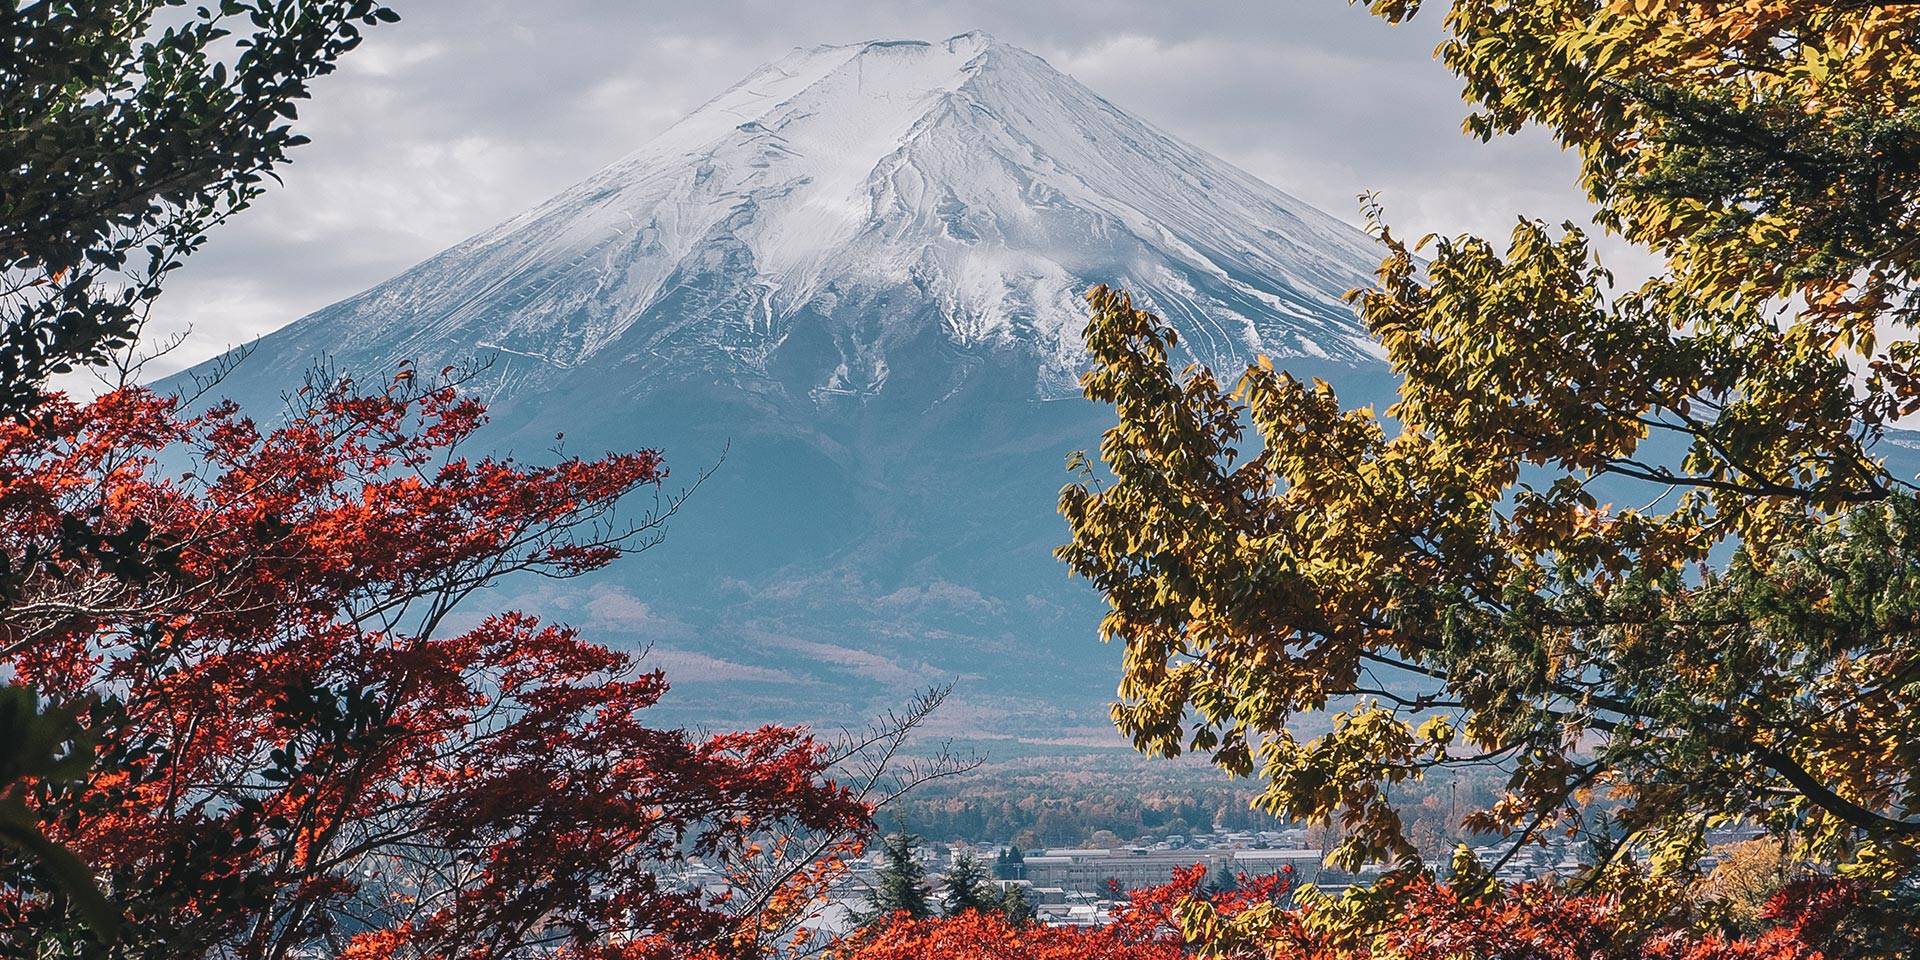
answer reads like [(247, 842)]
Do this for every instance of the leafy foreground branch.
[(1636, 550), (128, 129)]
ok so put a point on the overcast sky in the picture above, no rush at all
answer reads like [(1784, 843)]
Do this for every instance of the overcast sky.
[(469, 111)]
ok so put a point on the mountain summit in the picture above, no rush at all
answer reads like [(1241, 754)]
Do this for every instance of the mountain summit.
[(844, 201), (856, 276)]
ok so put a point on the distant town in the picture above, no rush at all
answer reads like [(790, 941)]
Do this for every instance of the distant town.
[(1084, 886)]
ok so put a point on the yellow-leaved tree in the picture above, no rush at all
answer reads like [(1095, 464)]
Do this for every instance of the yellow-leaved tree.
[(1735, 640)]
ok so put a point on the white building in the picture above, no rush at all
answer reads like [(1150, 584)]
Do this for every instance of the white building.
[(1130, 868)]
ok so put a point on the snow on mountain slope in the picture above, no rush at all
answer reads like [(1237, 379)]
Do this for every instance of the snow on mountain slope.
[(851, 276), (857, 195)]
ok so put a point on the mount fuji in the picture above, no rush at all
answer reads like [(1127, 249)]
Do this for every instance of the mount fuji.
[(851, 285)]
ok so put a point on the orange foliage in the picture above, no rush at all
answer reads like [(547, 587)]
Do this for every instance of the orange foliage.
[(976, 936), (1433, 923), (1147, 927)]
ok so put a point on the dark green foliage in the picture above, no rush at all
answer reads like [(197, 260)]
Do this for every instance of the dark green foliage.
[(967, 887), (46, 745), (902, 884), (1015, 905), (1011, 864), (130, 128)]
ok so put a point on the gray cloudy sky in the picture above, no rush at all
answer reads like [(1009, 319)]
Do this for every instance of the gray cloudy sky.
[(469, 111)]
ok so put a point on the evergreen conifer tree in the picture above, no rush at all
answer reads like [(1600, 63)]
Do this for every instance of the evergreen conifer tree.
[(902, 884), (968, 889), (1015, 905)]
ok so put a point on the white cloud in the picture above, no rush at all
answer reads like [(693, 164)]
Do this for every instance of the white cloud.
[(863, 663), (941, 595), (686, 666), (610, 606)]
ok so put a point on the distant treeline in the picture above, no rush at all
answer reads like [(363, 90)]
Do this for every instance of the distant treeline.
[(1030, 820), (1031, 816)]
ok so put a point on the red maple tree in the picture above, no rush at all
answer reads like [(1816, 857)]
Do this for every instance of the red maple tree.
[(985, 936), (1149, 925), (297, 740)]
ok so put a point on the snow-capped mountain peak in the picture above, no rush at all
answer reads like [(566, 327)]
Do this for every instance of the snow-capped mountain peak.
[(849, 276), (845, 200)]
